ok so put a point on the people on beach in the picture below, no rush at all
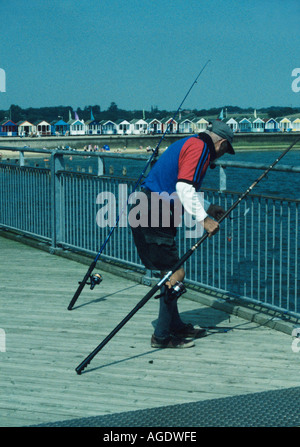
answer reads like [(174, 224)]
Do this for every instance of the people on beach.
[(180, 170)]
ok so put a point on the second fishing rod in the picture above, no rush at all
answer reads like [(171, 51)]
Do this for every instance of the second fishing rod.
[(178, 265), (94, 280)]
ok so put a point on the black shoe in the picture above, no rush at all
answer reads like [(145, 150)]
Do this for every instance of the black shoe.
[(188, 331), (172, 342)]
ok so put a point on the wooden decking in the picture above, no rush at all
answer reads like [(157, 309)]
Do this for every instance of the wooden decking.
[(45, 342)]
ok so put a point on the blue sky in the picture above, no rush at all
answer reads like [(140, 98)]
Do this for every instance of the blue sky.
[(147, 53)]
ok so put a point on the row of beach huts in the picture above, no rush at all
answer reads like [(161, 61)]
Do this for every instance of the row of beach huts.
[(141, 126)]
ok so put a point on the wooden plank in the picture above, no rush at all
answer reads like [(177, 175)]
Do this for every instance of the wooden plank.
[(45, 342)]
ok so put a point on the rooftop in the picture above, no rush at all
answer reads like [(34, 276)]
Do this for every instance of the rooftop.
[(44, 342)]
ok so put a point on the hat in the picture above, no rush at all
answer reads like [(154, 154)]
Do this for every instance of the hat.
[(224, 131)]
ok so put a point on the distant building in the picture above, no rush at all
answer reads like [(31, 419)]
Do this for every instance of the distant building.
[(199, 124), (26, 129), (8, 128), (173, 125), (245, 125), (42, 128), (123, 127), (154, 125), (59, 128), (185, 125), (258, 125), (76, 127), (138, 126), (233, 124), (285, 125), (108, 127), (271, 125), (93, 127), (296, 125)]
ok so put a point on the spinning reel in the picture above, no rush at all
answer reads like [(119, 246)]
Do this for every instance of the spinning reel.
[(94, 280), (174, 292)]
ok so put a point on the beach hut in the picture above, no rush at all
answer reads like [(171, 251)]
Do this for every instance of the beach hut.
[(185, 125), (258, 125), (173, 125), (233, 124), (26, 129), (271, 125), (92, 127), (138, 126), (154, 125), (296, 125), (245, 125), (59, 128), (108, 127), (8, 128), (43, 128), (76, 127), (199, 124), (285, 125), (123, 127)]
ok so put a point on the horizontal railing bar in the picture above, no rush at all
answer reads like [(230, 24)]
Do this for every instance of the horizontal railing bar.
[(251, 194), (249, 165)]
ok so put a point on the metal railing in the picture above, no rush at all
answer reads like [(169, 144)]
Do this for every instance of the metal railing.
[(254, 257)]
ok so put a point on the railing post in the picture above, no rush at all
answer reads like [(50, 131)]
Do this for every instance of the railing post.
[(57, 164), (21, 158), (100, 166), (222, 179)]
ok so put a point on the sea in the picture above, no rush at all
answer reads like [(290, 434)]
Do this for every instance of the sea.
[(276, 183)]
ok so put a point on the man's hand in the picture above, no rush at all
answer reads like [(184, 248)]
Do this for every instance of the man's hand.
[(211, 226), (215, 211)]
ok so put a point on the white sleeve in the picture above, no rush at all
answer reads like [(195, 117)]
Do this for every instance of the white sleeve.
[(192, 201)]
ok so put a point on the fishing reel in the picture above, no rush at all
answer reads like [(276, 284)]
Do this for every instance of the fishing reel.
[(94, 280), (174, 292)]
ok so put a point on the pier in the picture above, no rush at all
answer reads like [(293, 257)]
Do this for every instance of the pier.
[(243, 373), (242, 363)]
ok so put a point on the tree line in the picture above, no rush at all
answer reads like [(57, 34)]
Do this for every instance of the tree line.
[(113, 112)]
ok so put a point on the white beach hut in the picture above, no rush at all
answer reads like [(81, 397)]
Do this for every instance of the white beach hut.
[(154, 125), (77, 127), (123, 127), (43, 128), (233, 124), (26, 129), (138, 126), (285, 125), (296, 125), (199, 124)]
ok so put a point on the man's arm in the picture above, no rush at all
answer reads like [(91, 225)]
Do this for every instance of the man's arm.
[(195, 205)]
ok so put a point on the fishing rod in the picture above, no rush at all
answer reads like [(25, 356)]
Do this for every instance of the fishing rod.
[(93, 280), (176, 267)]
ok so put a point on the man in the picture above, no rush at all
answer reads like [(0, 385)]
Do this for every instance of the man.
[(180, 169)]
